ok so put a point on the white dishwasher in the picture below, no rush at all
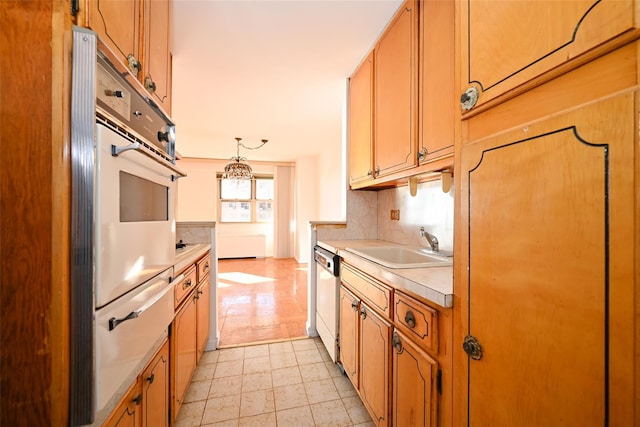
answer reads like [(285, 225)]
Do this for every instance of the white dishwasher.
[(327, 298)]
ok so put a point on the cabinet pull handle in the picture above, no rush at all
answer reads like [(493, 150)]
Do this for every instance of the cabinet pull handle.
[(149, 84), (469, 98), (187, 283), (151, 378), (396, 343), (134, 64), (138, 399), (410, 319), (472, 347), (363, 313), (354, 305)]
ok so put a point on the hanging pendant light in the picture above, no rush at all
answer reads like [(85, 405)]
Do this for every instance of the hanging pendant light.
[(239, 167)]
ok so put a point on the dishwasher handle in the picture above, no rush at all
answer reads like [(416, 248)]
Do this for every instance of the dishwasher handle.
[(327, 260)]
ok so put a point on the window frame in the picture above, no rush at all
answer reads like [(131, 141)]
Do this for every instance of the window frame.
[(253, 201)]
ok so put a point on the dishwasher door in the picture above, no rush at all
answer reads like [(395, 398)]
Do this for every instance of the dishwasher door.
[(327, 297)]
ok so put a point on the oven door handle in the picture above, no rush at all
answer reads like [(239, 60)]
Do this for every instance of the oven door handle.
[(113, 322)]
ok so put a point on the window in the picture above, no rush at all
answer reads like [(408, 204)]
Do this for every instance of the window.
[(246, 200)]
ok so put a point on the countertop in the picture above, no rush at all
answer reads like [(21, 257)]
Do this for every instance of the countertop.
[(188, 255), (434, 284)]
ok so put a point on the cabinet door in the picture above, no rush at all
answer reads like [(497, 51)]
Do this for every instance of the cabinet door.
[(547, 283), (117, 22), (155, 390), (127, 413), (349, 306), (183, 355), (507, 43), (375, 363), (395, 93), (157, 63), (203, 310), (360, 126), (437, 96), (414, 386)]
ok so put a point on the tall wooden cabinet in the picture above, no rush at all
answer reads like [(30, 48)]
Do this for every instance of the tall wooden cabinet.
[(360, 120), (547, 197)]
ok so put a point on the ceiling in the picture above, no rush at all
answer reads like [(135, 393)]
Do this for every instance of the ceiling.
[(266, 69)]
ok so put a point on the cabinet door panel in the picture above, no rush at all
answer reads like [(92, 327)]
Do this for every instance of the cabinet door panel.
[(375, 362), (158, 51), (507, 43), (184, 353), (414, 395), (127, 413), (203, 309), (155, 390), (395, 93), (555, 201), (118, 25), (349, 306), (360, 122)]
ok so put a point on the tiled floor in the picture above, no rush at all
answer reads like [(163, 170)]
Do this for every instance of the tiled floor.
[(286, 384), (261, 299)]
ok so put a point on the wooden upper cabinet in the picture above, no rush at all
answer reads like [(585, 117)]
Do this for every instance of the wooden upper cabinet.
[(117, 23), (505, 44), (157, 56), (396, 93), (437, 81), (360, 122)]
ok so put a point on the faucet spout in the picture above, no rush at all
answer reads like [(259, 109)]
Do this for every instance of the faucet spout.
[(433, 240)]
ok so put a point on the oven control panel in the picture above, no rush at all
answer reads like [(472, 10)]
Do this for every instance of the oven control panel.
[(113, 94)]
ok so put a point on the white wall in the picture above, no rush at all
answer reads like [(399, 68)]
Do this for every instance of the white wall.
[(306, 203)]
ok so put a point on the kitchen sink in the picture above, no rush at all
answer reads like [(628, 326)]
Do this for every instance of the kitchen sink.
[(401, 257)]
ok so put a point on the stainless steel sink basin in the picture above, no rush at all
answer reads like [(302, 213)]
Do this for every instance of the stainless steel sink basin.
[(401, 257)]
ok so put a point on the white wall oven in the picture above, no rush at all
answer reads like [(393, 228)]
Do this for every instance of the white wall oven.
[(123, 228)]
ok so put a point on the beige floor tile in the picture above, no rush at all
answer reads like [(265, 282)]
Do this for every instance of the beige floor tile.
[(230, 354), (295, 417), (320, 391), (257, 381), (221, 409), (306, 357), (356, 410), (228, 369), (227, 423), (280, 347), (209, 357), (330, 414), (252, 351), (344, 387), (367, 424), (256, 402), (262, 420), (286, 376), (204, 372), (333, 369), (314, 371), (190, 414), (227, 386), (306, 344), (290, 396), (257, 364), (283, 360), (198, 390)]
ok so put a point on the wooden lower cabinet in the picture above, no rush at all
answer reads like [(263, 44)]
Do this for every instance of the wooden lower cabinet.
[(414, 384), (375, 364), (128, 413), (203, 309), (183, 352), (349, 335), (155, 390)]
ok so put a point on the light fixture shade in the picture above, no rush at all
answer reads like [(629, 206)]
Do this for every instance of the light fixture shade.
[(238, 168)]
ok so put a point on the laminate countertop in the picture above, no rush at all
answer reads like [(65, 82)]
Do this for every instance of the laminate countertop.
[(435, 284)]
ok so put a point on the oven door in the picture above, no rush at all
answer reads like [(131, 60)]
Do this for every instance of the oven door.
[(135, 217)]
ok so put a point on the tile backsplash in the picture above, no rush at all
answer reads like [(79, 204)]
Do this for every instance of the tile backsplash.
[(431, 208)]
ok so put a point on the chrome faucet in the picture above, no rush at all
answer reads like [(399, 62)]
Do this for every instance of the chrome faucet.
[(433, 240)]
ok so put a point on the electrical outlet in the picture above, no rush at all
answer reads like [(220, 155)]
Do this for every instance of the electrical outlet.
[(395, 214)]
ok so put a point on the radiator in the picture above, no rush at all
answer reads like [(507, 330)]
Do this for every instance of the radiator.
[(241, 246)]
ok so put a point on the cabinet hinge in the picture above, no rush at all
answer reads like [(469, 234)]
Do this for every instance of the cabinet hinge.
[(439, 381)]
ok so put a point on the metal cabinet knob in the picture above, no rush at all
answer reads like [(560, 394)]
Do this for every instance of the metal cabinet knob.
[(410, 319), (396, 343), (469, 98), (354, 305), (472, 347)]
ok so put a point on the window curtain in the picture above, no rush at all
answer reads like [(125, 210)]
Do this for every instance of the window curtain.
[(283, 214)]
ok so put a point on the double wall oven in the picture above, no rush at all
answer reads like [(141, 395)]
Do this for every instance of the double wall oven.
[(122, 226)]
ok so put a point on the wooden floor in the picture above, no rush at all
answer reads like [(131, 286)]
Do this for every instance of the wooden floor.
[(261, 300)]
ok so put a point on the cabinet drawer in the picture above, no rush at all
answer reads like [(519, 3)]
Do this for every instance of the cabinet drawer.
[(418, 321), (186, 285), (203, 266), (375, 293)]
